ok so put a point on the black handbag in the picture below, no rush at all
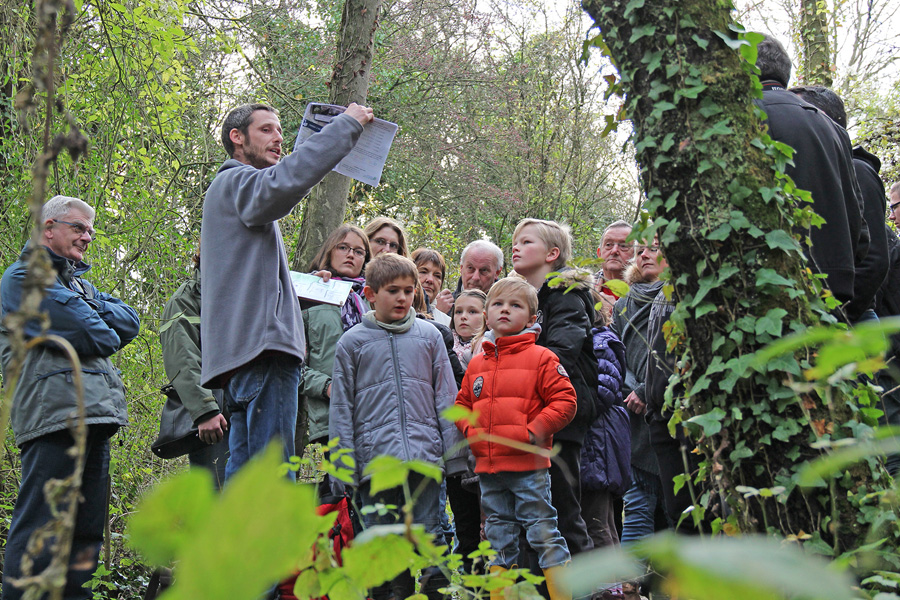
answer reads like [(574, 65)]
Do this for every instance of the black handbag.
[(177, 434)]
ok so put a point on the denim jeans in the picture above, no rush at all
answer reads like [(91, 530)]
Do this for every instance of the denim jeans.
[(640, 509), (521, 500), (43, 459), (426, 511), (262, 397)]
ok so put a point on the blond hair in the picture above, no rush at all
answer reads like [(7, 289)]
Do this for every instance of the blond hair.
[(515, 285), (553, 235)]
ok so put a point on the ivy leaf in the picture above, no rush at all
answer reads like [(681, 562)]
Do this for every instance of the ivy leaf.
[(770, 277), (731, 42), (771, 323), (710, 423), (640, 32), (779, 238)]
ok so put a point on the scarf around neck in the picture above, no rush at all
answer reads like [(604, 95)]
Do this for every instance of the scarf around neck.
[(401, 326), (353, 309)]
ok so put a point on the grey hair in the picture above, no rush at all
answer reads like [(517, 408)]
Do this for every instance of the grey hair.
[(773, 61), (240, 119), (620, 224), (895, 189), (483, 245), (59, 206)]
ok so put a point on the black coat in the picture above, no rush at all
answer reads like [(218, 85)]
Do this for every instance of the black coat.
[(566, 320), (871, 272), (822, 165)]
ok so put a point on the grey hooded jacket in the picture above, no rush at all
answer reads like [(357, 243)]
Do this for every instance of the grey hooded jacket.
[(387, 394)]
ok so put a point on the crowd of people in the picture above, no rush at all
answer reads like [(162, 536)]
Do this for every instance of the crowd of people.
[(567, 448)]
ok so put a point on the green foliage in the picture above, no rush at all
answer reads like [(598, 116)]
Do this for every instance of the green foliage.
[(272, 521)]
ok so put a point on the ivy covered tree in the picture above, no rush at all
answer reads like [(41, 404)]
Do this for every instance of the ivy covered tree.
[(726, 216)]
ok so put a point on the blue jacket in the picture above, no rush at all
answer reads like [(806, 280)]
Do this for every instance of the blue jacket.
[(610, 354), (95, 323)]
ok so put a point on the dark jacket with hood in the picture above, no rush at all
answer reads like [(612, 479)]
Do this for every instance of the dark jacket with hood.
[(565, 319), (872, 271), (822, 164)]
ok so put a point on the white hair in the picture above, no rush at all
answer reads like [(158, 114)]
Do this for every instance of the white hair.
[(483, 245), (59, 206)]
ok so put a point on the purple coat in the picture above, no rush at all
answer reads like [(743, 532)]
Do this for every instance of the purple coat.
[(606, 454)]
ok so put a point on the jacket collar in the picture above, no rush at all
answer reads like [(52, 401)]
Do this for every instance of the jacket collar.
[(64, 267), (511, 344)]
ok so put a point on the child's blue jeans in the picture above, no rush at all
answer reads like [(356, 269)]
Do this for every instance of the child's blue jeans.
[(511, 500)]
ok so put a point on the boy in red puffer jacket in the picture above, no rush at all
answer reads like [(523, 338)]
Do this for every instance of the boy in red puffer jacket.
[(521, 393)]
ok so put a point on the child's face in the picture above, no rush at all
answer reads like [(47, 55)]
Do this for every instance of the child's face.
[(468, 316), (508, 314), (392, 301), (530, 253), (345, 259)]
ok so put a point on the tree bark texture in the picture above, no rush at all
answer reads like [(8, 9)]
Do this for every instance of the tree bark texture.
[(815, 53), (349, 83), (718, 201)]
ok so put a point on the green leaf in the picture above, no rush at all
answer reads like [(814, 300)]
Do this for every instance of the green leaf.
[(187, 522), (710, 423), (640, 32), (731, 42), (618, 287), (771, 323), (720, 128), (387, 472), (770, 277), (779, 238)]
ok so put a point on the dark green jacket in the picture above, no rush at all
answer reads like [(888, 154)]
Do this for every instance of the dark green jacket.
[(179, 334)]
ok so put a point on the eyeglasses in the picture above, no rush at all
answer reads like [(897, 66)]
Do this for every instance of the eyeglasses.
[(894, 206), (652, 249), (345, 249), (384, 242), (79, 228), (622, 245)]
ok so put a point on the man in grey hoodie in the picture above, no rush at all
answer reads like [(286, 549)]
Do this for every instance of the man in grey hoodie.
[(251, 324)]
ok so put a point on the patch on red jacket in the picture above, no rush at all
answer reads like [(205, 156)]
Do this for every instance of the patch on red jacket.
[(562, 371), (477, 386)]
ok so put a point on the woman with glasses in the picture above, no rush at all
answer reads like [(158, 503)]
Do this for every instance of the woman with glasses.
[(386, 235), (344, 254)]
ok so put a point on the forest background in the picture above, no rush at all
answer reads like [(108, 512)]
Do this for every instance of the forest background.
[(500, 118)]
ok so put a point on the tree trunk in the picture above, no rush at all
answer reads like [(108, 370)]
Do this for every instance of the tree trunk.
[(724, 220), (814, 48), (349, 83)]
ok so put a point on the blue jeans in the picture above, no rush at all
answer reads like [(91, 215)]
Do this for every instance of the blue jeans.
[(426, 511), (262, 398), (514, 500), (640, 510), (43, 459)]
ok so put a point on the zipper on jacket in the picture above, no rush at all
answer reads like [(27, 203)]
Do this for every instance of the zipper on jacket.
[(402, 407), (493, 402)]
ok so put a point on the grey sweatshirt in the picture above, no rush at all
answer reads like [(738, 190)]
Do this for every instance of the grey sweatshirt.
[(248, 304)]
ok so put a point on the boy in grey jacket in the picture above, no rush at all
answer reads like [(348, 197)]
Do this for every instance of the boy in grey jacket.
[(392, 379)]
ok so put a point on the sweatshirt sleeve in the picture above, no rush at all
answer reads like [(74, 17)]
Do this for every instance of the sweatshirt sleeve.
[(262, 196), (559, 399)]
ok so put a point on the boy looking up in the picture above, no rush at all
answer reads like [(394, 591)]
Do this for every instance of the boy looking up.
[(522, 393), (565, 314), (392, 379)]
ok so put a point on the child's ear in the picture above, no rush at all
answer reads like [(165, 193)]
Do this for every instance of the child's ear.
[(532, 321), (552, 255), (369, 293)]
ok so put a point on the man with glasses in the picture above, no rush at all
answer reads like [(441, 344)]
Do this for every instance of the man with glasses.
[(480, 265), (616, 252), (45, 402), (250, 321)]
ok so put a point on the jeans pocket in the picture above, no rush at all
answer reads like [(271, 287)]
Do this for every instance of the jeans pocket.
[(244, 386)]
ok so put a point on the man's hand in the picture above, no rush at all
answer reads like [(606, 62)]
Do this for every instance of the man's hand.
[(363, 114), (444, 301), (635, 404), (213, 429)]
